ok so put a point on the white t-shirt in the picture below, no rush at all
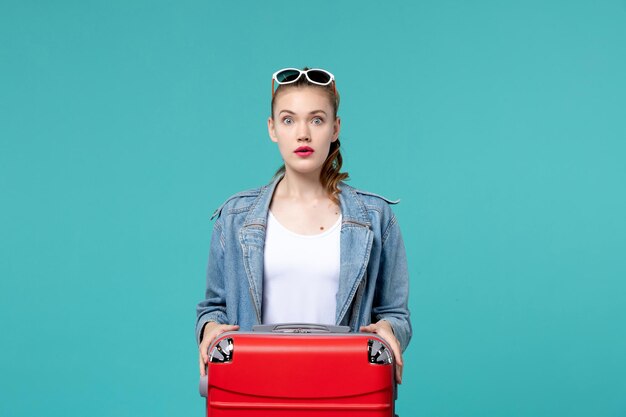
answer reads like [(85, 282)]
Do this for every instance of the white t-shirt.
[(300, 275)]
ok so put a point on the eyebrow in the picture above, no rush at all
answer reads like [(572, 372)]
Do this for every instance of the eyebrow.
[(312, 112)]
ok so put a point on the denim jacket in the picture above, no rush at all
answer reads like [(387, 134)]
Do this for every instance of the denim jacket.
[(373, 274)]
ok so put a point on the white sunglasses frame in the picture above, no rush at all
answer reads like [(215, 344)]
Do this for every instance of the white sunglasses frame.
[(305, 72)]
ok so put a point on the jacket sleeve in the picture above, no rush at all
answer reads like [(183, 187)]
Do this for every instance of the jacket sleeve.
[(392, 286), (213, 307)]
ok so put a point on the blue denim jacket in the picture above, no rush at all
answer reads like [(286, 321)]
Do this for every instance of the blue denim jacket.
[(373, 275)]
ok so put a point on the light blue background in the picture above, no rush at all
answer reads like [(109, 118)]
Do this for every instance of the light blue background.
[(500, 125)]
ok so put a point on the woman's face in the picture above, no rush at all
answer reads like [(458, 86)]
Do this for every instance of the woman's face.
[(303, 126)]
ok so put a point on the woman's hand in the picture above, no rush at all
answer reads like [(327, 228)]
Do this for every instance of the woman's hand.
[(211, 331), (384, 330)]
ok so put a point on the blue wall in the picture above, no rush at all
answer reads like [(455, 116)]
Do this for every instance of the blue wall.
[(500, 125)]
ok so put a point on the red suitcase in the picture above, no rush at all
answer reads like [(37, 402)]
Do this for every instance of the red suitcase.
[(299, 370)]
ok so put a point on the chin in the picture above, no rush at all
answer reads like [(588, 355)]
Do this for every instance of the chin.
[(303, 169)]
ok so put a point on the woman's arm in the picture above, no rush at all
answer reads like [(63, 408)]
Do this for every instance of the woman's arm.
[(390, 312), (213, 307), (392, 286), (211, 312)]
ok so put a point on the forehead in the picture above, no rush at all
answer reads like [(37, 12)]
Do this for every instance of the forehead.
[(302, 100)]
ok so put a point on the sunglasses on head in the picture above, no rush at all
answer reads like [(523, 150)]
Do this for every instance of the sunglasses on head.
[(291, 75)]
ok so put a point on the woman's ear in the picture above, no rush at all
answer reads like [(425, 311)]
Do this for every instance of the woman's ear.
[(270, 129), (336, 128)]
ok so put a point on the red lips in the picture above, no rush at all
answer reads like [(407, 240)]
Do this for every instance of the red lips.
[(304, 151)]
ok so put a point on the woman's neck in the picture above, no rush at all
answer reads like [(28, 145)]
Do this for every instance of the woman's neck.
[(301, 186)]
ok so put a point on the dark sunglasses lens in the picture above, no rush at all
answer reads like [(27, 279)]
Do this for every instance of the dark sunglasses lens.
[(318, 76), (287, 76)]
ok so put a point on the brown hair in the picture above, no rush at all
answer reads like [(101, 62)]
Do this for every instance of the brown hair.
[(331, 174)]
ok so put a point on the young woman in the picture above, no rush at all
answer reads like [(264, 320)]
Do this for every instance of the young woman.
[(307, 247)]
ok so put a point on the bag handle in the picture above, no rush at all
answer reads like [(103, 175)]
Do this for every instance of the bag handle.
[(300, 328)]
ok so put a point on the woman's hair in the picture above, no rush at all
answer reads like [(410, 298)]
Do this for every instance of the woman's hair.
[(331, 173)]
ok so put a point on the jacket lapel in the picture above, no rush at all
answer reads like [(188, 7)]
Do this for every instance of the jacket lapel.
[(252, 240), (356, 244)]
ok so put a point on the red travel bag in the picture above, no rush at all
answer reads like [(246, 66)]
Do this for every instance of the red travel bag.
[(299, 370)]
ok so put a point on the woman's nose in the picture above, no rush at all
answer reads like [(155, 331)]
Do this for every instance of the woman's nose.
[(303, 133)]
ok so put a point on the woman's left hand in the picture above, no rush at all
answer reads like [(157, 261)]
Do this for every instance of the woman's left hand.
[(384, 330)]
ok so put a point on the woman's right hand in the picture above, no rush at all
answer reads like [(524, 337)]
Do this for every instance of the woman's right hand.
[(211, 331)]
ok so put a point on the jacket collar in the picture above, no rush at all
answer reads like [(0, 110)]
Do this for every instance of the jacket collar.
[(356, 243), (257, 215), (352, 207)]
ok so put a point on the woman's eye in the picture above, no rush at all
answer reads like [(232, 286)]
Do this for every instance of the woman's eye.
[(287, 120), (317, 121)]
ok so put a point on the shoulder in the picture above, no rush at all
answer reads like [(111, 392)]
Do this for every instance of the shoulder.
[(238, 202), (377, 209), (368, 208)]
